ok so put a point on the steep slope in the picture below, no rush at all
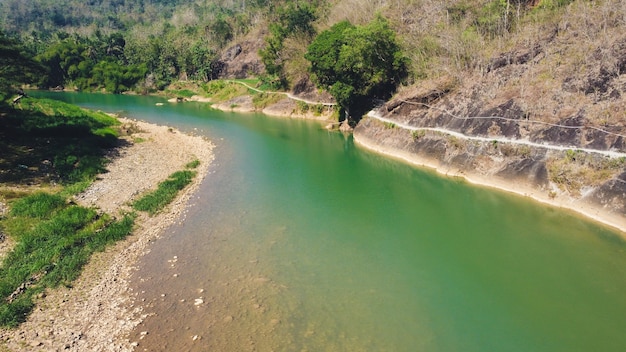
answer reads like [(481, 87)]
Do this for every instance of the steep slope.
[(564, 90)]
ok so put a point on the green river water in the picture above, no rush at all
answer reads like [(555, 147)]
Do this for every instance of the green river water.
[(300, 241)]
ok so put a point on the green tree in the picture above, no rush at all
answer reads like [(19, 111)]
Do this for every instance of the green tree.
[(292, 20), (358, 64), (16, 67)]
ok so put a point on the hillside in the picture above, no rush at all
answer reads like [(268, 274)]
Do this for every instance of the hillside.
[(557, 82), (536, 71)]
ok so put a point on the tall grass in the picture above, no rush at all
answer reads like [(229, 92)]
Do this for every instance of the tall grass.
[(167, 190), (52, 251)]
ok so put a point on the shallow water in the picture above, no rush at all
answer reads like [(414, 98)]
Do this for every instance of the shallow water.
[(300, 241)]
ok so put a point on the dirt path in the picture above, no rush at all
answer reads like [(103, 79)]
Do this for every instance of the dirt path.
[(288, 95), (99, 310)]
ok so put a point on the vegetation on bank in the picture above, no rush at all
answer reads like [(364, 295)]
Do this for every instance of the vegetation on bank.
[(50, 151), (54, 240), (155, 201), (359, 51)]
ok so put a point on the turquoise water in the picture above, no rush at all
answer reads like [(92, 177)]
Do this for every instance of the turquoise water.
[(300, 241)]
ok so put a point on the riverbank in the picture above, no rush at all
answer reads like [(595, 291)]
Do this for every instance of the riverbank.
[(589, 210), (98, 312), (245, 98)]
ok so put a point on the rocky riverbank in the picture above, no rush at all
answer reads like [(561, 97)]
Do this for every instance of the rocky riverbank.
[(589, 184), (98, 312)]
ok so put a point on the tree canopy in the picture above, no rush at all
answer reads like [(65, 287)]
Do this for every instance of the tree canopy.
[(295, 19), (357, 64), (16, 67)]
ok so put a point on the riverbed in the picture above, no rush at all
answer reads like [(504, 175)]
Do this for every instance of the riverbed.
[(298, 240)]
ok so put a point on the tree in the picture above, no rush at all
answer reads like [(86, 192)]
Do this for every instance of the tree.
[(292, 20), (16, 67), (357, 64)]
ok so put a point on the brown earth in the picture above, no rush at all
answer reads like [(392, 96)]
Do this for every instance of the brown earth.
[(98, 312)]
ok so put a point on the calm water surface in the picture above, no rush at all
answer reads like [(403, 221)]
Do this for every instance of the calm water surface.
[(299, 241)]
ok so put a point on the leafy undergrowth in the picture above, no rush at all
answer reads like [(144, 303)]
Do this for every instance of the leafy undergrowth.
[(167, 190)]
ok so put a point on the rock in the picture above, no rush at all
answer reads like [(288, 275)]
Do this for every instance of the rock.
[(345, 126)]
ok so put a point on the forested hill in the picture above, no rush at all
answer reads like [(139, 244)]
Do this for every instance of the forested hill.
[(49, 16), (358, 50)]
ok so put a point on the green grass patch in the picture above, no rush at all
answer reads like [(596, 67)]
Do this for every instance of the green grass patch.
[(167, 190), (45, 141), (221, 91), (38, 205), (193, 164), (185, 93), (252, 82), (53, 244), (48, 141), (262, 100)]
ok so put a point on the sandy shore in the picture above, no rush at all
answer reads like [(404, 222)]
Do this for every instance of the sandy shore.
[(591, 211), (98, 312)]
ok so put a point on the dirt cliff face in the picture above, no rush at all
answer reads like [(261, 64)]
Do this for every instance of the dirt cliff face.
[(536, 95)]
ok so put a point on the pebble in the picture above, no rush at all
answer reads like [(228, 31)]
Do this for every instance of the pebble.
[(198, 301)]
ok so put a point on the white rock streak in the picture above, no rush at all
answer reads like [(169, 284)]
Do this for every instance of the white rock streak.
[(608, 153)]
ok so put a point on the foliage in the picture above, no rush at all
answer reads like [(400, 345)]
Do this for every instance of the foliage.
[(357, 63), (38, 205), (576, 169), (91, 64), (261, 100), (51, 141), (293, 20), (16, 67), (223, 90), (167, 190), (52, 251)]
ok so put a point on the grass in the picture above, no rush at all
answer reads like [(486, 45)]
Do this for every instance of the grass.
[(262, 100), (221, 91), (38, 205), (166, 191), (417, 134), (54, 242), (185, 93), (45, 141)]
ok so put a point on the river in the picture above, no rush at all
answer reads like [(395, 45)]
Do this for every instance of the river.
[(300, 241)]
